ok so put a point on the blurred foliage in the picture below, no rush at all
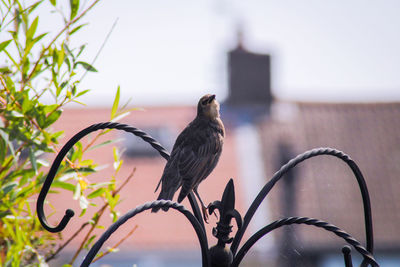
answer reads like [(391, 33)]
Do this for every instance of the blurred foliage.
[(34, 64)]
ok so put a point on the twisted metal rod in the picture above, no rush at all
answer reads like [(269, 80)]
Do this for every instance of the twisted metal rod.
[(149, 205), (292, 163), (56, 163), (308, 221)]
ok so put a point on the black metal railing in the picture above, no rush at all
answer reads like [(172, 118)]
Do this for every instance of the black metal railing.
[(220, 254)]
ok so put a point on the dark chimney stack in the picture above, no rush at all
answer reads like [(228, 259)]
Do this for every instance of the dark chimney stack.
[(249, 79)]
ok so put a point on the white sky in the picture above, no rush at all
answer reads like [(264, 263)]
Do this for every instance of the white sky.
[(172, 52)]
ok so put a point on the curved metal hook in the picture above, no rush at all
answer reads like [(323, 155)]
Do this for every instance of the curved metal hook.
[(54, 167), (308, 221), (149, 205), (292, 163)]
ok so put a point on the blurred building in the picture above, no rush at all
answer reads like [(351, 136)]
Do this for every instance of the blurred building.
[(322, 187), (325, 187)]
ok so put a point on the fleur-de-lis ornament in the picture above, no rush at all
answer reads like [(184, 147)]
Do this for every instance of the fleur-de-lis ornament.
[(227, 211)]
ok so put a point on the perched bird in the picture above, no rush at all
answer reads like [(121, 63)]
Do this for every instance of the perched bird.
[(195, 153)]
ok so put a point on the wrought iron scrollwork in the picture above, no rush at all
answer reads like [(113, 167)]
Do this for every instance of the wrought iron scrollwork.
[(158, 203), (291, 164), (219, 254), (308, 221), (63, 152)]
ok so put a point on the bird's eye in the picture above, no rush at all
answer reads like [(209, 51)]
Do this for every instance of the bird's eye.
[(204, 102)]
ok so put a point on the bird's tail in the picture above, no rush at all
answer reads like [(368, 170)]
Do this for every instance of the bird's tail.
[(166, 195)]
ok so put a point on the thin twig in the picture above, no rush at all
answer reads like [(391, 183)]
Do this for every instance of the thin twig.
[(126, 181), (116, 245), (92, 141), (101, 48), (55, 38), (100, 213), (2, 26), (36, 124), (67, 242)]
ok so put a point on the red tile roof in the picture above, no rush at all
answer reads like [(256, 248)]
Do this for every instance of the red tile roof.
[(325, 187)]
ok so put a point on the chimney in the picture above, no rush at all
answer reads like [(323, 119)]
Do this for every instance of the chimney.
[(249, 77)]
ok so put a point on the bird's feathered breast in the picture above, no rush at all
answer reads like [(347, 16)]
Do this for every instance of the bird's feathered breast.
[(201, 136)]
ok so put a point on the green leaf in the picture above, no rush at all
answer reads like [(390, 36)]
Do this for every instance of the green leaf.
[(52, 118), (54, 137), (76, 152), (4, 44), (55, 60), (77, 28), (82, 170), (32, 29), (115, 104), (53, 2), (105, 143), (64, 185), (81, 48), (61, 55), (114, 215), (27, 104), (68, 63), (74, 4), (8, 187), (96, 193), (3, 150), (112, 201), (115, 154), (90, 240), (32, 158), (82, 93), (5, 70), (69, 52), (82, 212), (34, 6), (23, 180), (38, 38), (50, 108), (63, 84), (78, 102), (9, 144), (86, 66)]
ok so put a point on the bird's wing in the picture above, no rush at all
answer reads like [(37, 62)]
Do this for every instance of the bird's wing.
[(196, 160), (174, 156)]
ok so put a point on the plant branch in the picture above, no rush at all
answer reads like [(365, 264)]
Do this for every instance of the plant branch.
[(55, 38), (35, 123), (67, 242), (100, 213), (101, 48), (92, 141), (117, 244)]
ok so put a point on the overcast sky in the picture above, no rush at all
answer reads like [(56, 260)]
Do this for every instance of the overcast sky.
[(172, 52)]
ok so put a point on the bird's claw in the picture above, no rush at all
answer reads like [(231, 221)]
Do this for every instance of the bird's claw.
[(215, 214), (205, 214)]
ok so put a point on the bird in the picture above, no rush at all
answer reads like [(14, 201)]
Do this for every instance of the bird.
[(195, 154)]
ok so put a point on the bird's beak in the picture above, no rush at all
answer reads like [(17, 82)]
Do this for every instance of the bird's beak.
[(211, 99)]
